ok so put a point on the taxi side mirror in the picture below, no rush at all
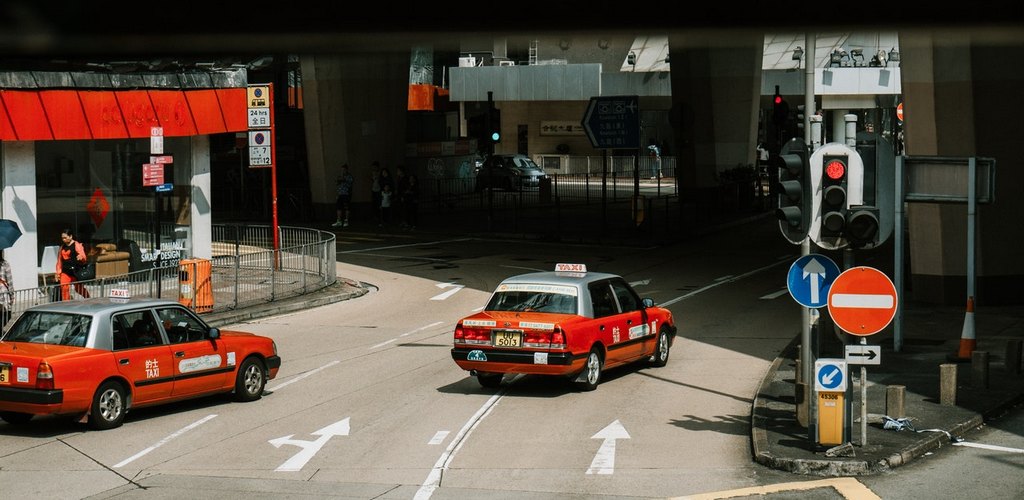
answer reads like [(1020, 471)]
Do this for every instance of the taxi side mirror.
[(648, 302), (214, 334)]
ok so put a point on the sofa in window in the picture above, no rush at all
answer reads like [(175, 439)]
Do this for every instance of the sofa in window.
[(109, 260)]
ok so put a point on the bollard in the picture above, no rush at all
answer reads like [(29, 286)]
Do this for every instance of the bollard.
[(979, 369), (947, 384), (1013, 355), (894, 398)]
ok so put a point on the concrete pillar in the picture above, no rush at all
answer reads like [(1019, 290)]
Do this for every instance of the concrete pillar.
[(1013, 356), (947, 384), (979, 369), (895, 396), (19, 205), (201, 213), (959, 94)]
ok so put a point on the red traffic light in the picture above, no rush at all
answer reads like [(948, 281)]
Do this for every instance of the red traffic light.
[(835, 170), (778, 99)]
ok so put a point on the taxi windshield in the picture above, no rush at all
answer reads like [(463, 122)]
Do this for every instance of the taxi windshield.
[(50, 328), (532, 301)]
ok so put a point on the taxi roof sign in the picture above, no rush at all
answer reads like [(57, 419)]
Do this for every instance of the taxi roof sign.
[(119, 293), (570, 268)]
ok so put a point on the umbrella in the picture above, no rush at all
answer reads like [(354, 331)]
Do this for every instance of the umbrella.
[(9, 233)]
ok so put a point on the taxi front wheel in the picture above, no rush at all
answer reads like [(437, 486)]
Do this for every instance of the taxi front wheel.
[(660, 356), (252, 377), (108, 406)]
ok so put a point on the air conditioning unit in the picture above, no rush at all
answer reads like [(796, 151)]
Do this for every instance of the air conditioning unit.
[(506, 63), (467, 62)]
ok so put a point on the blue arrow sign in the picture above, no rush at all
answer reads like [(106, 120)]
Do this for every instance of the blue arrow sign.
[(830, 376), (164, 188), (613, 122), (810, 278)]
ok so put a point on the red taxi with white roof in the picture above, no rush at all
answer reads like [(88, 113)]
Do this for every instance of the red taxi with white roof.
[(95, 359), (569, 322)]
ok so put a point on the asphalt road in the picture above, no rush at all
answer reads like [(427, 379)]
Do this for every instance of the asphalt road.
[(368, 403)]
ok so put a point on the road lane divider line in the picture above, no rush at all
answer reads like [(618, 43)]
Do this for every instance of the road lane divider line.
[(775, 295), (438, 438), (304, 375), (392, 247), (165, 440), (991, 447), (433, 480), (722, 282), (420, 329)]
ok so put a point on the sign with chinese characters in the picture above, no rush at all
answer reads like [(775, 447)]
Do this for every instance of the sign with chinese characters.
[(613, 122), (561, 128)]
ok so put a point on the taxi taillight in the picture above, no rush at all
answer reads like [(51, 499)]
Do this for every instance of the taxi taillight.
[(465, 335), (44, 376), (554, 339)]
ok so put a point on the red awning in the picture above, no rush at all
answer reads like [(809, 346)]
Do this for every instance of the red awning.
[(47, 115)]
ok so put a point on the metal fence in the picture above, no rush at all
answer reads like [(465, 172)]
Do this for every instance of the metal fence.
[(244, 270)]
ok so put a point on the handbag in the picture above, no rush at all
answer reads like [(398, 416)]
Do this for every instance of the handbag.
[(86, 272)]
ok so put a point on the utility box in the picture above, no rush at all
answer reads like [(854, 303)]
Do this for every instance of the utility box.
[(194, 287), (830, 386)]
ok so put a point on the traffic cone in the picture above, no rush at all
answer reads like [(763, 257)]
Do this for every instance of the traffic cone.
[(967, 340)]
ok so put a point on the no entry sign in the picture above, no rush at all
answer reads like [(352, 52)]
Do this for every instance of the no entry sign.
[(862, 301)]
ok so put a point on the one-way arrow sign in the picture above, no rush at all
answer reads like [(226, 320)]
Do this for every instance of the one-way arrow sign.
[(864, 354)]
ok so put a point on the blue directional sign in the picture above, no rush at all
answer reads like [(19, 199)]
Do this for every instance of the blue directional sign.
[(810, 278), (165, 188), (830, 375), (613, 122)]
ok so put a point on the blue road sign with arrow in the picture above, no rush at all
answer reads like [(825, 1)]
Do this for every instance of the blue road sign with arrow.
[(830, 375), (810, 278)]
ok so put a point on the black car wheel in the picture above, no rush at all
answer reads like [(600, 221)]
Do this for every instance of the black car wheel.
[(591, 374), (250, 381), (660, 357), (489, 380), (15, 418), (109, 405)]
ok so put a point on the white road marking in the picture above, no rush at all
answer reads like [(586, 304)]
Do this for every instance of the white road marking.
[(604, 460), (420, 329), (409, 245), (438, 438), (717, 283), (165, 440), (862, 300), (309, 448), (449, 293), (304, 375), (641, 282), (775, 295), (989, 447), (433, 480)]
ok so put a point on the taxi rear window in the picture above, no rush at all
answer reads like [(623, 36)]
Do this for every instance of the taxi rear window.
[(54, 328), (536, 298)]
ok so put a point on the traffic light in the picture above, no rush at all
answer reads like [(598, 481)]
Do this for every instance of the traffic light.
[(834, 200), (494, 130), (862, 226), (780, 110), (794, 192)]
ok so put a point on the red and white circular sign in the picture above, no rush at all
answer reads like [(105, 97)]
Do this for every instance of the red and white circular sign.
[(862, 301)]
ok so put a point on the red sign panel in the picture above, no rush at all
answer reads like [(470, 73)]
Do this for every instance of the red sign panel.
[(98, 208), (862, 301), (152, 174)]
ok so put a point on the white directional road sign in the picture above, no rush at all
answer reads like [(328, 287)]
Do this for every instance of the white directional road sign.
[(830, 375), (864, 354), (810, 278)]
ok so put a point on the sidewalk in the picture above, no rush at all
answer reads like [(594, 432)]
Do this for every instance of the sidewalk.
[(931, 334)]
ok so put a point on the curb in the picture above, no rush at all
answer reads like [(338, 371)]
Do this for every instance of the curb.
[(343, 289)]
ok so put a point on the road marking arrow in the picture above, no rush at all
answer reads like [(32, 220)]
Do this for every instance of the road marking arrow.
[(309, 448), (604, 461), (449, 293), (816, 271)]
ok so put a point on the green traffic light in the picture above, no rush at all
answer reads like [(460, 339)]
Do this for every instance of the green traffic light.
[(495, 136)]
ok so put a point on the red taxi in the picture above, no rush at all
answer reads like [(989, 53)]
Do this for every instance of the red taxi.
[(569, 322), (95, 359)]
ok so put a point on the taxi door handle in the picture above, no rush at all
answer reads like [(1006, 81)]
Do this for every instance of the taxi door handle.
[(123, 361), (601, 328), (179, 354), (629, 322)]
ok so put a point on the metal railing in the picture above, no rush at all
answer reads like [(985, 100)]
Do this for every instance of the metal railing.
[(244, 270)]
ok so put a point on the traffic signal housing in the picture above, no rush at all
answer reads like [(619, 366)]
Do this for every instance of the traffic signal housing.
[(494, 126), (837, 174), (794, 190), (833, 195)]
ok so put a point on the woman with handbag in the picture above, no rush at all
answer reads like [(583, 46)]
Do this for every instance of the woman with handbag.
[(70, 259)]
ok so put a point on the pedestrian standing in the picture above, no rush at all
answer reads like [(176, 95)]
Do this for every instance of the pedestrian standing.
[(344, 199), (398, 201), (6, 290), (385, 181), (410, 201), (385, 204), (375, 190), (70, 257)]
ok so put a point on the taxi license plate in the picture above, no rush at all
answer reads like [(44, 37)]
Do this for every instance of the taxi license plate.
[(508, 338), (5, 374)]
